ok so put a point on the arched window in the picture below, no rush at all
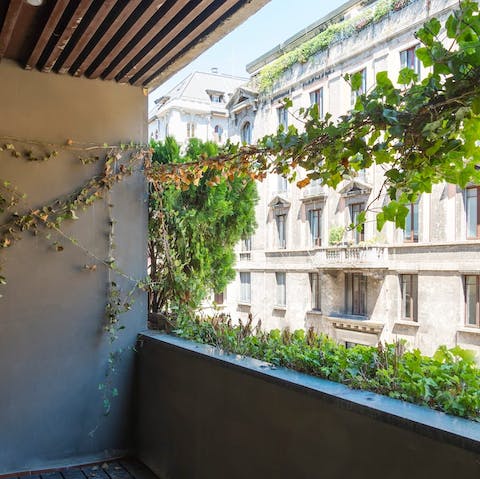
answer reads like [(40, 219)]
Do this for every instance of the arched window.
[(217, 133), (246, 133)]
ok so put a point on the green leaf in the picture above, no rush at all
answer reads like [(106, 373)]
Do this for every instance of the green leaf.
[(425, 56)]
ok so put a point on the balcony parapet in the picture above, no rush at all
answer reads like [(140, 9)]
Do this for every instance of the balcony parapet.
[(374, 256)]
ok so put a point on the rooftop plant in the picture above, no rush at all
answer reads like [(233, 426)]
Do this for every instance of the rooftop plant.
[(331, 34)]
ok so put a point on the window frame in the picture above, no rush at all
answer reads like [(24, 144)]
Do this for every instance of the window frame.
[(468, 324), (190, 129), (245, 291), (358, 236), (280, 289), (316, 97), (315, 292), (282, 117), (217, 296), (413, 62), (414, 226), (315, 241), (246, 133), (409, 284), (356, 306), (281, 231), (467, 215)]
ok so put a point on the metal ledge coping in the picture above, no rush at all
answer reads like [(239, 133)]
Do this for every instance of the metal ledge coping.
[(420, 419)]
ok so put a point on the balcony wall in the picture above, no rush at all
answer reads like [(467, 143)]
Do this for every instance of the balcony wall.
[(53, 351), (204, 414)]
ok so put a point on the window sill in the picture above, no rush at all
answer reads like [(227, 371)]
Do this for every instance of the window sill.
[(244, 303), (279, 307), (405, 322), (469, 330), (315, 312)]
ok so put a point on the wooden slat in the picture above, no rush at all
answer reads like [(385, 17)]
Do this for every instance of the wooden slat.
[(112, 29), (167, 39), (144, 40), (62, 41), (195, 33), (11, 17), (134, 29), (100, 16), (53, 19)]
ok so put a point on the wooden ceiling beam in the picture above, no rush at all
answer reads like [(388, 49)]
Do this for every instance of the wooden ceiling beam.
[(8, 26), (138, 78), (47, 32), (101, 14), (64, 38), (134, 29), (131, 6), (145, 40)]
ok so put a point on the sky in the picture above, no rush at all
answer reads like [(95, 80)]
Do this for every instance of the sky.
[(273, 24)]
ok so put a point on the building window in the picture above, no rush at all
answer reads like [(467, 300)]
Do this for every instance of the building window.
[(219, 298), (411, 223), (246, 133), (408, 59), (282, 114), (281, 221), (247, 244), (217, 133), (316, 98), (473, 212), (356, 294), (315, 291), (245, 287), (216, 98), (472, 296), (281, 281), (363, 87), (282, 184), (355, 210), (190, 130), (409, 290), (315, 223)]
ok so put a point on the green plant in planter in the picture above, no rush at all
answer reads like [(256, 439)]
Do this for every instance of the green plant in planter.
[(335, 236)]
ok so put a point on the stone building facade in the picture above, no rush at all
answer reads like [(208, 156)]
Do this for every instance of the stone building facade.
[(195, 108), (303, 266)]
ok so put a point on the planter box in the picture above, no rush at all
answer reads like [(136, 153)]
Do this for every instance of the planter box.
[(206, 414)]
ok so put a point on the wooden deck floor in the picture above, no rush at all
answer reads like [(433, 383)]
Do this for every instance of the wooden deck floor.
[(121, 469)]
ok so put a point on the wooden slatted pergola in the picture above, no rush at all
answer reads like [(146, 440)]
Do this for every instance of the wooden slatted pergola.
[(140, 42)]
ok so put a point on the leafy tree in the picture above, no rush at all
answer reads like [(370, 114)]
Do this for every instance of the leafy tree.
[(193, 229)]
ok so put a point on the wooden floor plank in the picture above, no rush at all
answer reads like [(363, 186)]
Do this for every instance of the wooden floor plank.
[(95, 472), (137, 469), (116, 471), (51, 475), (74, 473)]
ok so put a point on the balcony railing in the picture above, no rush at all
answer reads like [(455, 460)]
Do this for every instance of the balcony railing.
[(354, 254), (315, 191)]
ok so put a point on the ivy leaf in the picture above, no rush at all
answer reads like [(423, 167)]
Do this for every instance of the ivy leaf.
[(425, 56), (406, 76)]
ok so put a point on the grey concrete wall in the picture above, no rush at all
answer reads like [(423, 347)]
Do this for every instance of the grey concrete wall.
[(204, 414), (53, 351)]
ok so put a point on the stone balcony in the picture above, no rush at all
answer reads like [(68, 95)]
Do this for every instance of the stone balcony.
[(352, 256)]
